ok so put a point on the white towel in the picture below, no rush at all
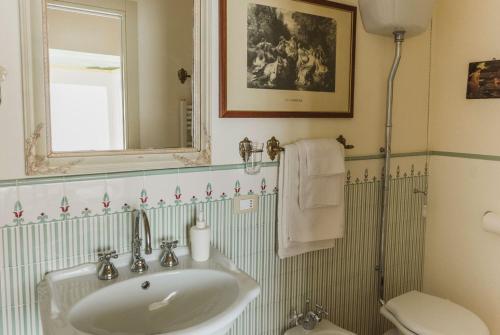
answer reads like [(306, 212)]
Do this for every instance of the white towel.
[(321, 173), (323, 156), (303, 231)]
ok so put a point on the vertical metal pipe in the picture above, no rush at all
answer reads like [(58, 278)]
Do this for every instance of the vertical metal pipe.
[(398, 39)]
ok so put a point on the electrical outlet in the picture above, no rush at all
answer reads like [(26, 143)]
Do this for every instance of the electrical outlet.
[(246, 204)]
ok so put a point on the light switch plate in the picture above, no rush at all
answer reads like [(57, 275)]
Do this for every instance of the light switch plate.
[(246, 204)]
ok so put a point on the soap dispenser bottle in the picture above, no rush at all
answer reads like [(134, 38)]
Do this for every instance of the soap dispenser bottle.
[(200, 239)]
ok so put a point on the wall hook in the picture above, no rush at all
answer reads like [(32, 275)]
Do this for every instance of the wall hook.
[(183, 75)]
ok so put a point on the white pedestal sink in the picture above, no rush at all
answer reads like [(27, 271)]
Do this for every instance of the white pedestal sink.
[(192, 298)]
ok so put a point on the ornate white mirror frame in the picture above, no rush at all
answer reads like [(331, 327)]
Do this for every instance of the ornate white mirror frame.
[(39, 160)]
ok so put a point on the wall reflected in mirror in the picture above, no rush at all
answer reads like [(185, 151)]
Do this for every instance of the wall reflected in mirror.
[(113, 74)]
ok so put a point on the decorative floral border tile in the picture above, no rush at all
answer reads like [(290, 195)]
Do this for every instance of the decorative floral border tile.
[(94, 198), (63, 201)]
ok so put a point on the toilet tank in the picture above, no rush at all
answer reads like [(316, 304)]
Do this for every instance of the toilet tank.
[(384, 17)]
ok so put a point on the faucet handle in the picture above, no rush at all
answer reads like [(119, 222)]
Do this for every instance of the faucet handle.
[(321, 311), (105, 269), (295, 318), (168, 258), (107, 255), (169, 245)]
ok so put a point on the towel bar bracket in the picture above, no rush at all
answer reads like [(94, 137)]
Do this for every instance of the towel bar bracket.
[(243, 145), (342, 140), (274, 148)]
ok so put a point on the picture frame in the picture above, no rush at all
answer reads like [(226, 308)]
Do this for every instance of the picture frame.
[(483, 80), (287, 59)]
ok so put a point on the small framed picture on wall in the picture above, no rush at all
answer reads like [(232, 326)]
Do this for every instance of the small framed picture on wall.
[(287, 58), (484, 80)]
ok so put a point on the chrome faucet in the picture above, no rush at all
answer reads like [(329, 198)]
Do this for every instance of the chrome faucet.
[(311, 319), (138, 262)]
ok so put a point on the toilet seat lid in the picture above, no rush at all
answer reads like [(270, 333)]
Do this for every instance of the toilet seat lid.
[(424, 314)]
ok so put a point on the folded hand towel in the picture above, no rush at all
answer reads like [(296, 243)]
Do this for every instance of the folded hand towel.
[(325, 189), (323, 157), (301, 231)]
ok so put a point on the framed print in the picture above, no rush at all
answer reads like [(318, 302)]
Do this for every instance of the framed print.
[(287, 58), (484, 80)]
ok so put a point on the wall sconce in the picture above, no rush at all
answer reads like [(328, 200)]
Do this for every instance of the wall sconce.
[(251, 153), (3, 75)]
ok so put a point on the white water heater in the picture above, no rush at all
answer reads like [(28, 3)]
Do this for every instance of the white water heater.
[(384, 17)]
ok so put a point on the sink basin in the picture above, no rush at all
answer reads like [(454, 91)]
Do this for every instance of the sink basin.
[(192, 298), (325, 327)]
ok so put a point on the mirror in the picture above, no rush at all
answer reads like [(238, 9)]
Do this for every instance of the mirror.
[(112, 77), (113, 74)]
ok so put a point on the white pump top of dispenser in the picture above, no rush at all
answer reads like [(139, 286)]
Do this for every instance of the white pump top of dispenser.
[(384, 17), (200, 221)]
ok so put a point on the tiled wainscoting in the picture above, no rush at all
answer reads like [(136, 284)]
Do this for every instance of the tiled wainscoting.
[(343, 278)]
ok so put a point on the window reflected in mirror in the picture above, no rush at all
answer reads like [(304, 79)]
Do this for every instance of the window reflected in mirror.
[(86, 100), (113, 82)]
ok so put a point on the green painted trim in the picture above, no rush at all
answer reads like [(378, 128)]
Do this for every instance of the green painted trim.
[(128, 174), (381, 156), (491, 158)]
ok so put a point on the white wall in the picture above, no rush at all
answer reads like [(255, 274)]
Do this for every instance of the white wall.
[(366, 130), (463, 34), (462, 261), (374, 57)]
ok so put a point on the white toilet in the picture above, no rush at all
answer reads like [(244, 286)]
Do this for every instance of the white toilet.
[(416, 313), (325, 327)]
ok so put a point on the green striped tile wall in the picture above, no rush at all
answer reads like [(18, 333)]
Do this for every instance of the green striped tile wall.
[(343, 278)]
